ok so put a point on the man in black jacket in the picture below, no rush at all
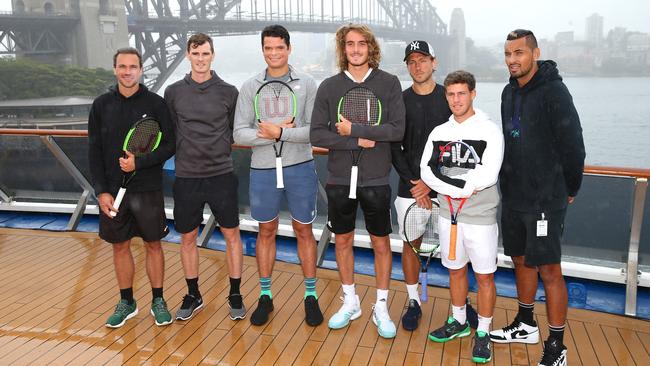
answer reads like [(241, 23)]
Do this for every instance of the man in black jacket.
[(142, 212), (541, 174)]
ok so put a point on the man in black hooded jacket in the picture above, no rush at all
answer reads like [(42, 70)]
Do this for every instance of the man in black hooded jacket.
[(540, 175)]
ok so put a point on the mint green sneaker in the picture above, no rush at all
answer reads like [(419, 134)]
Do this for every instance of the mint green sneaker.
[(161, 315), (123, 312)]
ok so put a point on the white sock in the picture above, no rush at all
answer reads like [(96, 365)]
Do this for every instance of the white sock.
[(484, 324), (382, 295), (413, 292), (459, 313), (349, 292)]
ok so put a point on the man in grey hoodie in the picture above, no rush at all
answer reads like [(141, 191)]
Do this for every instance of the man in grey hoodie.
[(358, 57), (298, 172), (202, 106)]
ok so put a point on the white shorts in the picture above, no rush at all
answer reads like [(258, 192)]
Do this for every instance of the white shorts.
[(401, 205), (474, 243)]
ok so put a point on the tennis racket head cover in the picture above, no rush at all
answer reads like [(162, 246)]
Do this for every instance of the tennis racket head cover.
[(275, 102), (360, 105), (144, 137)]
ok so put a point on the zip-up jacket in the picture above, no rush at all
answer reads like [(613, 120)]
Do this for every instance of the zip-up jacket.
[(544, 150), (375, 163), (111, 117), (473, 176), (203, 116), (296, 148)]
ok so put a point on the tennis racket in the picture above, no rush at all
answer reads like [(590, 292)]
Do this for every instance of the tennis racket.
[(421, 232), (455, 158), (359, 105), (275, 102), (143, 138)]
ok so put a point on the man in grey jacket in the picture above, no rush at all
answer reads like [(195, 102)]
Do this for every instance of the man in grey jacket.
[(202, 106), (358, 57), (298, 172)]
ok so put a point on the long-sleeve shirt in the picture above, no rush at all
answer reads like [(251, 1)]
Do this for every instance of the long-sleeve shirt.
[(111, 116), (472, 177), (375, 163), (296, 148)]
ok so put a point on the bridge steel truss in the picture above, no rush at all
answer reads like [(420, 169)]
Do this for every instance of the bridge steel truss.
[(36, 34), (160, 28)]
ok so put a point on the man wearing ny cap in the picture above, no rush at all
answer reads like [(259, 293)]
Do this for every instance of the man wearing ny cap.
[(426, 108)]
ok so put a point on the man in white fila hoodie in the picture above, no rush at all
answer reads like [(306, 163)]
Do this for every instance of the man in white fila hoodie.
[(470, 146)]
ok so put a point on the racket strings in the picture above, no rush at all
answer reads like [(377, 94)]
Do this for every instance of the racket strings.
[(361, 106), (275, 103), (422, 224), (144, 138)]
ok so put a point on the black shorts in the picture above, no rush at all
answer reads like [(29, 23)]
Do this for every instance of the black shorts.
[(191, 195), (141, 214), (342, 211), (519, 230)]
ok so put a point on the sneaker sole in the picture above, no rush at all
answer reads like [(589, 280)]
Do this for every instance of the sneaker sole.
[(191, 315), (160, 324), (123, 321), (457, 335), (481, 359), (529, 340), (353, 317)]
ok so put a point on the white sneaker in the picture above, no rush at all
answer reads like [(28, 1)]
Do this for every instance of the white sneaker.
[(516, 332), (381, 318), (349, 311)]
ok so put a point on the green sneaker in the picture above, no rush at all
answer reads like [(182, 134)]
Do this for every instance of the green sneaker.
[(123, 312), (160, 312), (452, 329)]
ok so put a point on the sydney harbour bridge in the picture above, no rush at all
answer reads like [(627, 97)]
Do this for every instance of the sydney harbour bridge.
[(159, 28)]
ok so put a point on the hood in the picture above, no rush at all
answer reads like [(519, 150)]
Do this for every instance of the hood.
[(116, 91), (547, 71), (204, 85)]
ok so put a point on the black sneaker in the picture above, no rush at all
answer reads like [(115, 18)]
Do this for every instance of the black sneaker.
[(482, 351), (472, 315), (191, 304), (412, 316), (313, 315), (264, 307), (450, 330), (554, 353), (236, 305)]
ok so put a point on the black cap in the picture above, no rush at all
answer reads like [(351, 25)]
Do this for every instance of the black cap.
[(420, 47)]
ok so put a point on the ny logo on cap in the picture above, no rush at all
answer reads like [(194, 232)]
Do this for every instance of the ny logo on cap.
[(415, 45)]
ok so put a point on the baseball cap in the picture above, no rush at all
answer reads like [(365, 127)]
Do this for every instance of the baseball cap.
[(418, 46)]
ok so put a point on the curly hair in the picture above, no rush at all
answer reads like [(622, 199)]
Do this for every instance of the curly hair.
[(374, 52)]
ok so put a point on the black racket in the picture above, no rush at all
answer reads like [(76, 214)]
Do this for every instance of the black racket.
[(275, 102), (455, 158), (421, 232), (143, 138), (359, 105)]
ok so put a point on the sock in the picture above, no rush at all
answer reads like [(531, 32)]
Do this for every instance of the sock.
[(234, 286), (484, 324), (525, 313), (310, 287), (193, 286), (265, 286), (459, 313), (127, 294), (382, 296), (413, 292), (556, 333), (157, 292), (349, 291)]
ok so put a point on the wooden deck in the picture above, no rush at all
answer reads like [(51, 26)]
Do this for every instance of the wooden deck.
[(59, 288)]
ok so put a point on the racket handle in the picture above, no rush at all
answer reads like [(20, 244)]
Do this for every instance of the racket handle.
[(452, 242), (278, 172), (118, 200), (424, 283), (354, 174)]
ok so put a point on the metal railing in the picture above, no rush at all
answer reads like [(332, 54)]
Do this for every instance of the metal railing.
[(631, 274)]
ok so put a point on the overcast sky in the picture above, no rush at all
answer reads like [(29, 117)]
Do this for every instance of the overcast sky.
[(488, 22)]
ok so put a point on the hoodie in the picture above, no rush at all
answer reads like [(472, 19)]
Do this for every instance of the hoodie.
[(203, 115), (544, 151)]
